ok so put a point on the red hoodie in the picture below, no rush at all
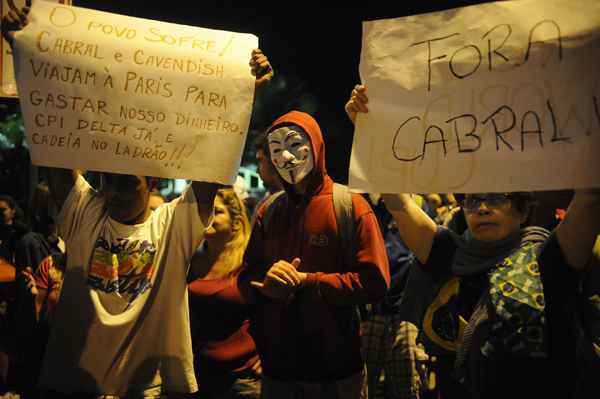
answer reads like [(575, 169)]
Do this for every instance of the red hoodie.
[(315, 335)]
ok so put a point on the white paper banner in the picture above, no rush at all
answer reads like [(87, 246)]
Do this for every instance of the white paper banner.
[(107, 92), (496, 97)]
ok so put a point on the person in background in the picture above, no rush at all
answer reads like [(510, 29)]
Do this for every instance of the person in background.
[(512, 320), (43, 240), (12, 230), (36, 314), (225, 358), (33, 249), (266, 170), (388, 340)]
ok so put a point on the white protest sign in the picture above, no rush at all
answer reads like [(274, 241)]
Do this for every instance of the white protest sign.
[(107, 92), (496, 97), (8, 85)]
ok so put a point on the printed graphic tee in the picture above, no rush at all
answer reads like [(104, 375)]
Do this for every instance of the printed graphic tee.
[(122, 323)]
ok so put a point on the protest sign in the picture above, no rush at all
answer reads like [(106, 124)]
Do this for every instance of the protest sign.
[(112, 93), (496, 97)]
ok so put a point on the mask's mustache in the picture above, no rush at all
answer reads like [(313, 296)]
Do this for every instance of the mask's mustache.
[(291, 164)]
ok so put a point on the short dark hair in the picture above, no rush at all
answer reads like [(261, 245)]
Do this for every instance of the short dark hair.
[(9, 200), (261, 143)]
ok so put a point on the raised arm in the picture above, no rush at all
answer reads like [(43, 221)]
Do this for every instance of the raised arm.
[(205, 197), (416, 228), (577, 233)]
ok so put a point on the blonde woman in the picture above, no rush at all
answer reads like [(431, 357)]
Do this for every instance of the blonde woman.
[(225, 358)]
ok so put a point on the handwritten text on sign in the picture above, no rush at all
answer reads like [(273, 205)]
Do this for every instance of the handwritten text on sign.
[(107, 92), (496, 97)]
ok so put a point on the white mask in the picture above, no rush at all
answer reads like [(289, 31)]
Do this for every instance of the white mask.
[(291, 153)]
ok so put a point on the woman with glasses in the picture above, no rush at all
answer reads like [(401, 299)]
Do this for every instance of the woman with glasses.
[(504, 306)]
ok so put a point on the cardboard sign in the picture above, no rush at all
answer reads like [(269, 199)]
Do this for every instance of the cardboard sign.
[(112, 93), (496, 97)]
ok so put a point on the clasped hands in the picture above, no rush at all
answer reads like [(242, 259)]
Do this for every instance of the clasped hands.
[(282, 280)]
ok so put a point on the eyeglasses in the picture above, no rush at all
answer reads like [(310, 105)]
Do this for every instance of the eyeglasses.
[(472, 202)]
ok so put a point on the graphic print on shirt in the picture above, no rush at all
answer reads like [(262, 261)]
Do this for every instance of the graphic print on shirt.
[(124, 267)]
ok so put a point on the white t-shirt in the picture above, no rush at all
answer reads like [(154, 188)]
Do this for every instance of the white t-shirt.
[(122, 322)]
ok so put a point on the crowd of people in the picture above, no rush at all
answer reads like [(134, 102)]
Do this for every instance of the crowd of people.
[(108, 290)]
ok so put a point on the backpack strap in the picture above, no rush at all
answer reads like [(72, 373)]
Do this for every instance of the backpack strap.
[(269, 208), (344, 216)]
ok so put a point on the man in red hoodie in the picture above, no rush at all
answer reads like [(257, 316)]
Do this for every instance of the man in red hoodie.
[(305, 294)]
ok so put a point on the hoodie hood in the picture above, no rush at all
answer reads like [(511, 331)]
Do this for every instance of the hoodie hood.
[(311, 127)]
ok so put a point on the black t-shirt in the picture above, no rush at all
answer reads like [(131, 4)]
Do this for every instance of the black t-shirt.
[(553, 375)]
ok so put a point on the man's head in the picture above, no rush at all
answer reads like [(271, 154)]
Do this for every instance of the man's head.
[(266, 170), (291, 152), (127, 197), (8, 207)]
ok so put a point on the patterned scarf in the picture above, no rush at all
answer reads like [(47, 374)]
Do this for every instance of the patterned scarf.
[(469, 260), (474, 257)]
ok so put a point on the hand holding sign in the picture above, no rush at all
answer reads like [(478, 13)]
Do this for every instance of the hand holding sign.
[(13, 21), (261, 68), (357, 102)]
